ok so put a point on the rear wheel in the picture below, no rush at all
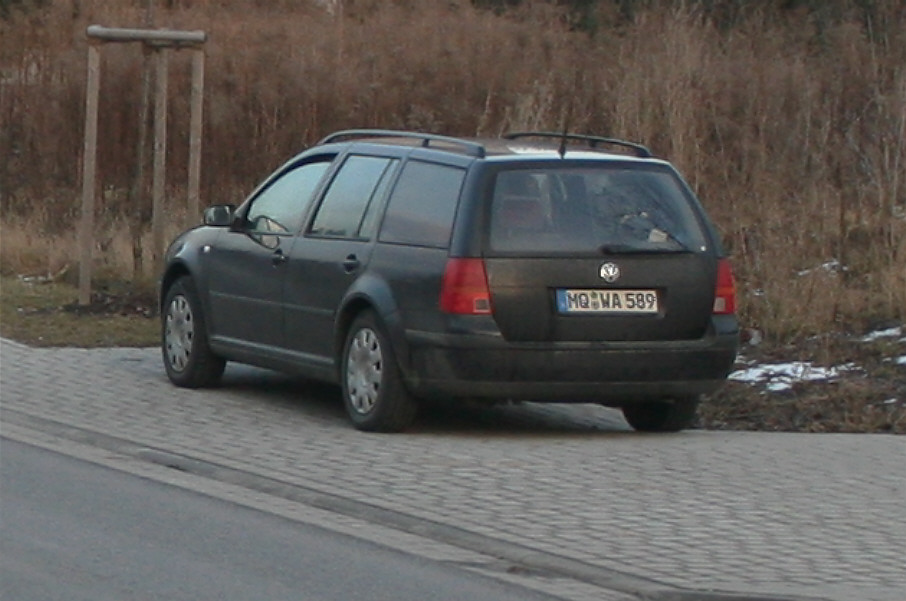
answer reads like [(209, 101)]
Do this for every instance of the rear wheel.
[(374, 394), (670, 415), (188, 359)]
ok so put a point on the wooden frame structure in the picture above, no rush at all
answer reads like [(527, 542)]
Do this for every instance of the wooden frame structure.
[(160, 41)]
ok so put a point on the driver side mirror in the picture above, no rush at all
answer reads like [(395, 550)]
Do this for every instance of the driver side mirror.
[(219, 215)]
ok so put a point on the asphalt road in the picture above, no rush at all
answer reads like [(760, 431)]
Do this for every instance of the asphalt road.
[(73, 531), (561, 499)]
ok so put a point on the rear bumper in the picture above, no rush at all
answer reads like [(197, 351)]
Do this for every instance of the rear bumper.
[(486, 367)]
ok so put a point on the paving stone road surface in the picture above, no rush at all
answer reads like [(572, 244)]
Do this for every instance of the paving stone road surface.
[(566, 498)]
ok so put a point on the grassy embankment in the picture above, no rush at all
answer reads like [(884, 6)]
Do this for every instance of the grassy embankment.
[(791, 125)]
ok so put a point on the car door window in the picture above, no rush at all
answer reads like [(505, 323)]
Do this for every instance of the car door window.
[(351, 202), (280, 208)]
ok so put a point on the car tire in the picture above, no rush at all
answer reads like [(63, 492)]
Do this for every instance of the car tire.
[(670, 415), (375, 397), (187, 356)]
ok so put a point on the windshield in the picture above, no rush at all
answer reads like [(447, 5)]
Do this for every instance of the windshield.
[(600, 209)]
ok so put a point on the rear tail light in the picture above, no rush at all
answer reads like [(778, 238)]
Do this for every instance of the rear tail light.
[(464, 290), (725, 291)]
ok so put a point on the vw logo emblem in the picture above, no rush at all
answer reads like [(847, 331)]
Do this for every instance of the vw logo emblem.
[(610, 272)]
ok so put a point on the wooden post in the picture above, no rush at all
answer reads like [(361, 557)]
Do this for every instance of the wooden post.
[(195, 131), (138, 192), (160, 40), (160, 160), (89, 170)]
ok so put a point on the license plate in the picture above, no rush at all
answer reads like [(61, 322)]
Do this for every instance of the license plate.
[(607, 301)]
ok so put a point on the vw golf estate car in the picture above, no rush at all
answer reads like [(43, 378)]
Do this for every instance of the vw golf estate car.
[(406, 267)]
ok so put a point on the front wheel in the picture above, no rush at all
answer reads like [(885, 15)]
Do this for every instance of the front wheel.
[(670, 415), (188, 359), (374, 394)]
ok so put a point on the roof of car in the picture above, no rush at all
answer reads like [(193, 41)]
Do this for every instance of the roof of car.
[(508, 149), (536, 144)]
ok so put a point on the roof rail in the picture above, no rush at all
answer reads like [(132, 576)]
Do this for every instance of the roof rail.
[(471, 148), (593, 141)]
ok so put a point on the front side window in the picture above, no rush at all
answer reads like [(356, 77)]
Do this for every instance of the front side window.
[(422, 206), (589, 210), (280, 208), (350, 202)]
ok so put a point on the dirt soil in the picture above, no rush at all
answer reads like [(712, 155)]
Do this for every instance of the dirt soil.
[(866, 394), (138, 304)]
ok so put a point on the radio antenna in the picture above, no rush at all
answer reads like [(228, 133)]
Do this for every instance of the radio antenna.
[(565, 136), (569, 114)]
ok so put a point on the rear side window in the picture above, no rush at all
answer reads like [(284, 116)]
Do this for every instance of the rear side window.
[(421, 208), (349, 204), (603, 208)]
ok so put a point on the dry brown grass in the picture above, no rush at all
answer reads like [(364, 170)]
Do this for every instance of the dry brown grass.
[(39, 312), (791, 125)]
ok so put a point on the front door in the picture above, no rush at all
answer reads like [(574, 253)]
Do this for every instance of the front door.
[(247, 264), (246, 277)]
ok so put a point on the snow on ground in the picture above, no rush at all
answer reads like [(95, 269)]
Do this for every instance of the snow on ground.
[(888, 333), (777, 377), (781, 376)]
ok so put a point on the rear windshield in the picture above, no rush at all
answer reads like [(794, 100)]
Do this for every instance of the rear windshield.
[(591, 210)]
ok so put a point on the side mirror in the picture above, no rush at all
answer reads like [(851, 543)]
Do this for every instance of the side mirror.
[(219, 215)]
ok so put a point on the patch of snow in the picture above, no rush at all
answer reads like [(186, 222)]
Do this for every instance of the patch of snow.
[(832, 266), (901, 360), (888, 333), (782, 376)]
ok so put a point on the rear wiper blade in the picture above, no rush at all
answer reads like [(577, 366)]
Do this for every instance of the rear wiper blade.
[(630, 249)]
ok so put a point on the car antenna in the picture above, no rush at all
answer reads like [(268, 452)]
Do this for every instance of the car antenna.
[(562, 149), (568, 117)]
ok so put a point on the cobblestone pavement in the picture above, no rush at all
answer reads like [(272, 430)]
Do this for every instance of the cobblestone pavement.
[(570, 488)]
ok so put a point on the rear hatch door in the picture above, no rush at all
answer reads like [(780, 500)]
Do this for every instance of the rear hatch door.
[(604, 251)]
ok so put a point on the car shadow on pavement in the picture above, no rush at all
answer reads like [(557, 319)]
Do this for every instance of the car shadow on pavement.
[(463, 417), (476, 417), (311, 397)]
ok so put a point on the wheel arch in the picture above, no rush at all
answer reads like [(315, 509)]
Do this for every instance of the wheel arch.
[(174, 271), (188, 358), (372, 294)]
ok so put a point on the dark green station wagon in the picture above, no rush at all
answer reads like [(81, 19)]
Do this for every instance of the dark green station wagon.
[(407, 267)]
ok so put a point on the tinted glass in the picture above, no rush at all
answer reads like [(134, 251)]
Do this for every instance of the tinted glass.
[(422, 206), (356, 187), (280, 208), (610, 209), (372, 213)]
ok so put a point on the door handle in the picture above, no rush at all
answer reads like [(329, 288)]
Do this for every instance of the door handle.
[(351, 263), (278, 258)]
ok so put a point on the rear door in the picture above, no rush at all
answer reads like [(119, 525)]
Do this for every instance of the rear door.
[(612, 251), (333, 252)]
